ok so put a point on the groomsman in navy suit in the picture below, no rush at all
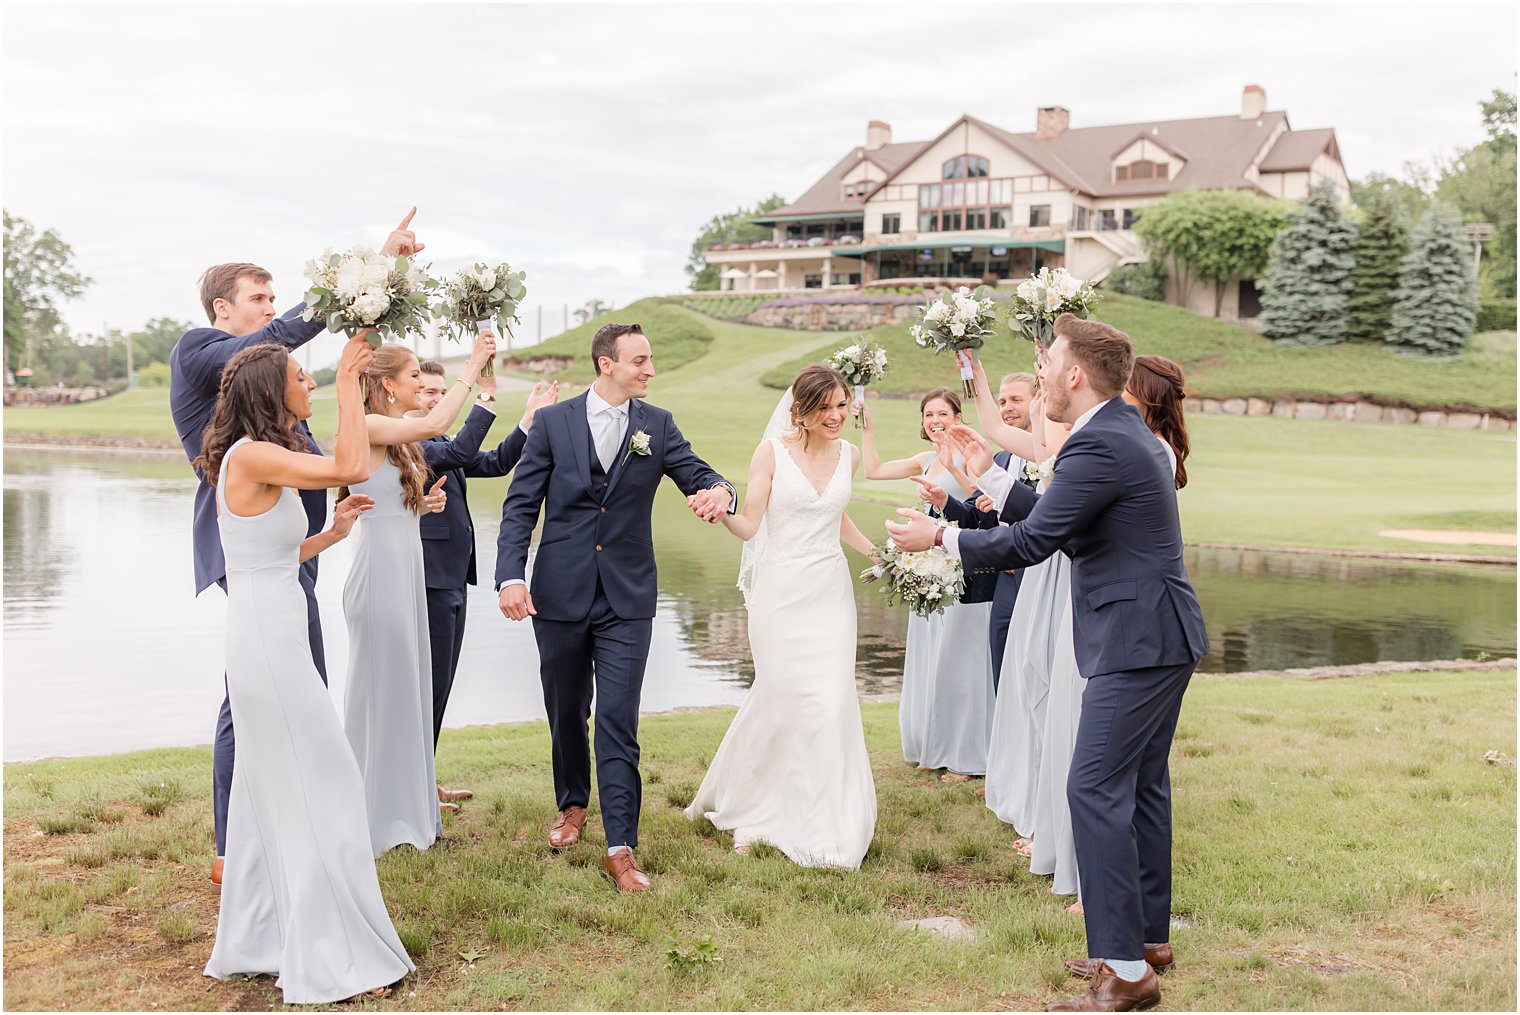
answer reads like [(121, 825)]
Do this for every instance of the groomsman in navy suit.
[(1138, 633), (239, 302), (593, 465), (448, 536)]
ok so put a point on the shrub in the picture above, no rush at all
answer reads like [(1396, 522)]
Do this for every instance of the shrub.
[(1307, 287), (1437, 300), (1147, 280), (1496, 315)]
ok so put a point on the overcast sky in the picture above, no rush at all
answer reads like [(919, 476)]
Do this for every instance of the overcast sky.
[(588, 143)]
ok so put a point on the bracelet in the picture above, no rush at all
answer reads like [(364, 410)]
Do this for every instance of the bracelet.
[(461, 380)]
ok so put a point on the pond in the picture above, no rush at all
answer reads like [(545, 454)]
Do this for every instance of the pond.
[(106, 650)]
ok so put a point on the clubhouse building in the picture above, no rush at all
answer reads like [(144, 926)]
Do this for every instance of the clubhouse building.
[(979, 200)]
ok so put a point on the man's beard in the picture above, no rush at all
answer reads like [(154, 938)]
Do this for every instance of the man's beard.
[(1057, 401)]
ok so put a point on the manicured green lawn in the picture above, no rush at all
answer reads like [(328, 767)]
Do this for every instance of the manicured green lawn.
[(1340, 844)]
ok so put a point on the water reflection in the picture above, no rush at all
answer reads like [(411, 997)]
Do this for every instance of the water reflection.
[(107, 651)]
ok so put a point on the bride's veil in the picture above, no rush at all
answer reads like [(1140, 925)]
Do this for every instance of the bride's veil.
[(780, 423)]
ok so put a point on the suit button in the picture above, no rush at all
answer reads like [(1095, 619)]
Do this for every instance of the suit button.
[(604, 486), (598, 547), (604, 510)]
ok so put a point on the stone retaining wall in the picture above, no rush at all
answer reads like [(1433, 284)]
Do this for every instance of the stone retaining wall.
[(1362, 411), (831, 316)]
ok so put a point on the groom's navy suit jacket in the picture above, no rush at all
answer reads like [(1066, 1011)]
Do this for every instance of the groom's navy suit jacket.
[(448, 536), (596, 531), (195, 374), (1112, 507)]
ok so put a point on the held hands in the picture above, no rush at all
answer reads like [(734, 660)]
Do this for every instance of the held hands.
[(516, 603), (915, 533), (402, 242), (356, 357), (710, 505), (930, 493), (436, 497), (348, 511), (969, 443), (537, 399)]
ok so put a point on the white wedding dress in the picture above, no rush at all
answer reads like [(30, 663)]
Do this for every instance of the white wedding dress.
[(792, 770)]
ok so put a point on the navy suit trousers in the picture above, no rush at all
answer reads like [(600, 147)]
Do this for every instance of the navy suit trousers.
[(224, 747), (1002, 612), (446, 610), (1121, 807), (608, 653)]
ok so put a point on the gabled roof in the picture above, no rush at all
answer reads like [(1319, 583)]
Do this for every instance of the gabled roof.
[(825, 196), (1297, 149), (1146, 136)]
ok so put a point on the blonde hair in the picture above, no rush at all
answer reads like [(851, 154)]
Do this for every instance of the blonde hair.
[(389, 361)]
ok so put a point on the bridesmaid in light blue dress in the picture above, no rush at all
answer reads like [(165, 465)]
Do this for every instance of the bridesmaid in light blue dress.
[(945, 716), (388, 705)]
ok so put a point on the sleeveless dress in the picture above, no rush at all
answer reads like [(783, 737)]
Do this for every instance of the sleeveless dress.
[(792, 770), (388, 707), (1018, 721), (300, 898), (945, 717)]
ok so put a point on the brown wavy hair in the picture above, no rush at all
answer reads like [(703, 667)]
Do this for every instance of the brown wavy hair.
[(951, 399), (250, 402), (811, 390), (389, 361), (1156, 383)]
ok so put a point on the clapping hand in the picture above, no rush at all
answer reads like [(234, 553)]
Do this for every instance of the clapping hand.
[(537, 401), (710, 505), (349, 509), (930, 493), (402, 242), (975, 453), (985, 503), (436, 498), (915, 532)]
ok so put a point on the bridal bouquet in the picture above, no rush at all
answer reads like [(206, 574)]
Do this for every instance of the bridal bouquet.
[(477, 297), (861, 364), (961, 321), (359, 289), (924, 581), (1040, 299)]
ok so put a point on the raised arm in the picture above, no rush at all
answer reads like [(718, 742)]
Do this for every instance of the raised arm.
[(203, 352), (762, 468), (875, 468), (386, 430), (1009, 438), (461, 451)]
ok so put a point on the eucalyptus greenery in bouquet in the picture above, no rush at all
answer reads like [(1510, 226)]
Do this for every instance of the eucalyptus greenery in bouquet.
[(359, 289), (925, 581), (479, 297), (860, 364), (1040, 299), (959, 321)]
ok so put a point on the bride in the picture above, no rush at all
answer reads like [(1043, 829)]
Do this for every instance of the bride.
[(792, 770)]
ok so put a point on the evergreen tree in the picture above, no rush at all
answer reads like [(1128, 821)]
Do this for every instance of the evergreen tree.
[(1437, 300), (1308, 281), (1379, 253)]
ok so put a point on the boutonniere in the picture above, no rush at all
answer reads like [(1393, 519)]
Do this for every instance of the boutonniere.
[(1037, 471), (638, 444)]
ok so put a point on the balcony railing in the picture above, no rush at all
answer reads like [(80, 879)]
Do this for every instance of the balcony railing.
[(816, 241)]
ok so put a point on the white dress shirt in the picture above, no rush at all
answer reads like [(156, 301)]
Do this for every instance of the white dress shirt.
[(996, 482), (609, 427)]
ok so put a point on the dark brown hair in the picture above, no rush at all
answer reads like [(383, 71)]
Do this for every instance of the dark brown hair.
[(432, 366), (811, 390), (951, 398), (1102, 350), (1156, 383), (604, 342), (389, 361), (220, 281), (250, 402)]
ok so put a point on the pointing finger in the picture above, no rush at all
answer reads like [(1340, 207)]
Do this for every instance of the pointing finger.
[(408, 220), (438, 484)]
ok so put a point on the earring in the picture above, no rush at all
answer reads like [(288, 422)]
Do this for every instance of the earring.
[(391, 399)]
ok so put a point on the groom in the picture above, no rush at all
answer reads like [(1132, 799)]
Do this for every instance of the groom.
[(593, 464), (1111, 506)]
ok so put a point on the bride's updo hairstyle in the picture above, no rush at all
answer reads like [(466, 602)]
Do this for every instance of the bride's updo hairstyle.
[(1156, 383), (390, 359), (945, 395), (811, 393), (250, 402)]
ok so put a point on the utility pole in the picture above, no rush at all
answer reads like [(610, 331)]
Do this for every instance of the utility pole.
[(131, 372), (567, 317), (540, 336), (1479, 233)]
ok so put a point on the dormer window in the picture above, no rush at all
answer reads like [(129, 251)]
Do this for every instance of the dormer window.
[(966, 167), (1142, 169), (860, 189)]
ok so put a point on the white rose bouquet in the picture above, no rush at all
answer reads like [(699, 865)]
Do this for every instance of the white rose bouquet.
[(359, 289), (1035, 472), (477, 298), (1040, 299), (925, 581), (960, 321), (862, 363)]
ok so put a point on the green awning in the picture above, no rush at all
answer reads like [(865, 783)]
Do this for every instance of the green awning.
[(1054, 246)]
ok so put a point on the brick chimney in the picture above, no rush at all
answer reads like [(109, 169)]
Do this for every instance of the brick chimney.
[(878, 135), (1051, 122), (1253, 102)]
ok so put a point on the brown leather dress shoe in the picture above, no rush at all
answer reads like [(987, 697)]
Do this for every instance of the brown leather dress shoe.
[(1159, 957), (216, 872), (1109, 993), (566, 830), (453, 796), (624, 872)]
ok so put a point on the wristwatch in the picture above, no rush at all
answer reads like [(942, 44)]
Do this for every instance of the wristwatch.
[(485, 399), (939, 535)]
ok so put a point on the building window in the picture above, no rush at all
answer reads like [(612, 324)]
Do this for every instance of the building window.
[(1108, 219), (928, 195), (976, 218), (1131, 216), (966, 167), (891, 223), (928, 221), (952, 220), (1142, 169), (1079, 216), (812, 281), (998, 218), (1039, 215), (1002, 191)]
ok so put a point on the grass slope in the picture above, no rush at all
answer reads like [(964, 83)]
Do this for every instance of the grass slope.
[(1338, 844), (1223, 360)]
